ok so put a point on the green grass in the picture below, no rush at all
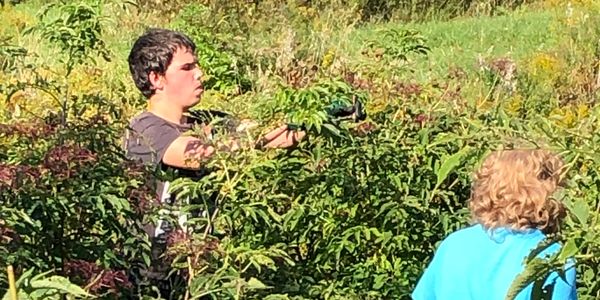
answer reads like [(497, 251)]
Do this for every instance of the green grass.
[(460, 42), (453, 43)]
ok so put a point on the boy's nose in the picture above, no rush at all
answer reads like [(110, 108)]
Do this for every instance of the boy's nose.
[(198, 74)]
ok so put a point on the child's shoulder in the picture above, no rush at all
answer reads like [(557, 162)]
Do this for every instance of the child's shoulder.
[(473, 234), (477, 235), (473, 231)]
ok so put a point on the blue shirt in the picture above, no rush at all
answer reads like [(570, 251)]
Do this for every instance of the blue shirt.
[(474, 264)]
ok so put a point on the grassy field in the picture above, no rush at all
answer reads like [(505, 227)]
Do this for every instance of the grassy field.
[(461, 43)]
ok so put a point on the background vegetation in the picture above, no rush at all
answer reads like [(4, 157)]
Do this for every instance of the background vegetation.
[(356, 211)]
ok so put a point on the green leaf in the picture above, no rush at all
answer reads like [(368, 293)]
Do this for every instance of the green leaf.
[(581, 210), (449, 164), (277, 297), (443, 138), (60, 284), (379, 281), (256, 284), (332, 129), (568, 250), (25, 276), (533, 271)]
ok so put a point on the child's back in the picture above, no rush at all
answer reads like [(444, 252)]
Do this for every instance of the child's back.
[(512, 206), (473, 263)]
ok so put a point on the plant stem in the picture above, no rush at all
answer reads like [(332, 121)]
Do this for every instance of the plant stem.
[(11, 283)]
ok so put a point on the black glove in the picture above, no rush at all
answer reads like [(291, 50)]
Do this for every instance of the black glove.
[(341, 111)]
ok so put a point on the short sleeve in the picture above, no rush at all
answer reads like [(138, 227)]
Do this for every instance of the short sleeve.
[(426, 287), (148, 138)]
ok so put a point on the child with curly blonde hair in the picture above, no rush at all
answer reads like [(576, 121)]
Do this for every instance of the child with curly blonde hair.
[(512, 208)]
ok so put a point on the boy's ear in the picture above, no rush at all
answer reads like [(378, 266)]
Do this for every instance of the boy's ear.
[(156, 80)]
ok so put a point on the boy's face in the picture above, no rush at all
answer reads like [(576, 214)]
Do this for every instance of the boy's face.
[(183, 79)]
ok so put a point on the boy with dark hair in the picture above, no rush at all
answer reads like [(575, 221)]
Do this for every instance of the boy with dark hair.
[(165, 69)]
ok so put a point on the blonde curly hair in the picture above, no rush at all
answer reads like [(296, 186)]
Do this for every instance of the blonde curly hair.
[(514, 188)]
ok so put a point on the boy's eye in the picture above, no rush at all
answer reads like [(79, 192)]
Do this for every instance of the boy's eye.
[(188, 67)]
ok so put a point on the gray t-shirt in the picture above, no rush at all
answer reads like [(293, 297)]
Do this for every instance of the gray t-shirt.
[(149, 136), (147, 140)]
